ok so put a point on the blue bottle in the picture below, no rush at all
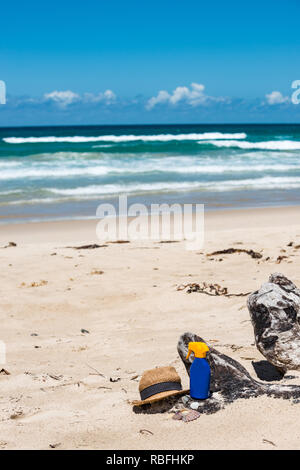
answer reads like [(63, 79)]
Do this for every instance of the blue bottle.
[(199, 371)]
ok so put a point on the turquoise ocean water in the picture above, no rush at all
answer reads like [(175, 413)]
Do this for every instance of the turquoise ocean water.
[(66, 172)]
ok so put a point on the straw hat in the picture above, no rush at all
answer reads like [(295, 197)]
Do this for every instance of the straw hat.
[(157, 384)]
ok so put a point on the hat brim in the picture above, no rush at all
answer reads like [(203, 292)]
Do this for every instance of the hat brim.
[(159, 396)]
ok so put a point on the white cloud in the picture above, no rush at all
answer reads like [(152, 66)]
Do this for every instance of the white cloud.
[(107, 96), (276, 98), (162, 97), (63, 98), (193, 95)]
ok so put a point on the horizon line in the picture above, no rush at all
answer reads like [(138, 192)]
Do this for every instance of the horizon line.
[(153, 125)]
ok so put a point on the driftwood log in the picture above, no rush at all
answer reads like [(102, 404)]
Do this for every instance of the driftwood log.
[(229, 381), (275, 313)]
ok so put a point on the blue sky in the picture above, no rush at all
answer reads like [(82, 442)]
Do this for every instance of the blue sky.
[(91, 62)]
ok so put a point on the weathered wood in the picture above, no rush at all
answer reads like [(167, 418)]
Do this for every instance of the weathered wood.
[(274, 310), (229, 381)]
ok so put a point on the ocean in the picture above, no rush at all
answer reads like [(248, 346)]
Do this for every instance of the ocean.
[(52, 173)]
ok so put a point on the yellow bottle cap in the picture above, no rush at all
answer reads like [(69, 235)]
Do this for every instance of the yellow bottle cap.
[(198, 348)]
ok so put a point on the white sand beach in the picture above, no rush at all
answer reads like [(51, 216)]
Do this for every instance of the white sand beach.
[(72, 390)]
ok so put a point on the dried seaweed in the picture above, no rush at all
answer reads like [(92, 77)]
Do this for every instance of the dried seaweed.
[(209, 289), (280, 258), (229, 251), (87, 247)]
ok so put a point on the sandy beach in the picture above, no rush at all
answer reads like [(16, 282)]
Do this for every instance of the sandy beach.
[(81, 326)]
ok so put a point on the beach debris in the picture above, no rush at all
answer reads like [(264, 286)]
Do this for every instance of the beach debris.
[(266, 441), (84, 331), (87, 247), (186, 415), (229, 251), (209, 289), (234, 347), (169, 241), (114, 379), (274, 311), (54, 446), (4, 372), (95, 370), (177, 416), (145, 431), (55, 377), (134, 377), (35, 284), (191, 416), (229, 380), (17, 415), (10, 245), (120, 241), (280, 258), (96, 271), (194, 405)]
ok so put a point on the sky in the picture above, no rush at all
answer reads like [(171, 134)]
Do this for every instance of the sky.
[(167, 61)]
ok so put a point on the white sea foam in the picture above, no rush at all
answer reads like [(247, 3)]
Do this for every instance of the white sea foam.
[(266, 182), (123, 188), (101, 191), (268, 145), (52, 173), (177, 167), (13, 164), (8, 193), (125, 138)]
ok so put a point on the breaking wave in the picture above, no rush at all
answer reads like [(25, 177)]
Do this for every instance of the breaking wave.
[(124, 138), (268, 145)]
